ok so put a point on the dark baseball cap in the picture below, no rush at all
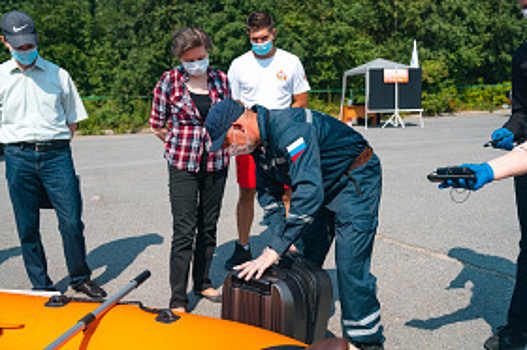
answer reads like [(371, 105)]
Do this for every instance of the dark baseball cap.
[(219, 120), (19, 29)]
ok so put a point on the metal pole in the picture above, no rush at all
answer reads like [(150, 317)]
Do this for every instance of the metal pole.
[(92, 316), (396, 102), (341, 116), (366, 99)]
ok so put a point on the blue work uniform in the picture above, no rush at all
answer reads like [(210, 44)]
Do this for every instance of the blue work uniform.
[(313, 153)]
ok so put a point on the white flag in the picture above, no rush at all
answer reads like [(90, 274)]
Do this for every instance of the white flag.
[(414, 63)]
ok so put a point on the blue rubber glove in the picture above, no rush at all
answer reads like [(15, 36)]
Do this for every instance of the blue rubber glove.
[(484, 175), (506, 136)]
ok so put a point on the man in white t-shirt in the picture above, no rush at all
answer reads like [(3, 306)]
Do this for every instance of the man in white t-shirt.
[(275, 79)]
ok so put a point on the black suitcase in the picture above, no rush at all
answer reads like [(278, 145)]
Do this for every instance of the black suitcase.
[(293, 298)]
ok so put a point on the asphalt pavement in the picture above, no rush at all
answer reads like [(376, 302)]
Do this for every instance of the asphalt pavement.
[(444, 262)]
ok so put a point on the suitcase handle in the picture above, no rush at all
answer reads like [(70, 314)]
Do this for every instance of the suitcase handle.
[(254, 285)]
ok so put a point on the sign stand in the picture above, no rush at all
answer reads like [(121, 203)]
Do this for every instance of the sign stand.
[(395, 119)]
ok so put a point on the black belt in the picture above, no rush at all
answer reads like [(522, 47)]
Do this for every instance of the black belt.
[(41, 146)]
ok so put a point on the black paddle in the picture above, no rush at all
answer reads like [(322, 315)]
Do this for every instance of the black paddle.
[(92, 316)]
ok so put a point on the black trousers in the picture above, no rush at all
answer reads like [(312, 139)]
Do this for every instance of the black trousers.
[(517, 318), (195, 199)]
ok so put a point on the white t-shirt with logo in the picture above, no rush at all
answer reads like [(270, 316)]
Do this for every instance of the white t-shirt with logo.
[(269, 82)]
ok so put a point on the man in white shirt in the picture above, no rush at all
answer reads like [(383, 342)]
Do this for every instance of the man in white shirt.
[(273, 78), (39, 111)]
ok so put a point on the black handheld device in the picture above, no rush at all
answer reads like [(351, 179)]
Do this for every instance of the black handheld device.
[(452, 173), (493, 143)]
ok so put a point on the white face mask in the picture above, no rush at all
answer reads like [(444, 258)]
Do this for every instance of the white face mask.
[(524, 12), (196, 68), (235, 149)]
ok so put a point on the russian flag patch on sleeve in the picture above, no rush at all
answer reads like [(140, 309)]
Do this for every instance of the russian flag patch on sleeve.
[(296, 148)]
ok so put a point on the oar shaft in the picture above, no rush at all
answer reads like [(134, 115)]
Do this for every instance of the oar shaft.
[(92, 316)]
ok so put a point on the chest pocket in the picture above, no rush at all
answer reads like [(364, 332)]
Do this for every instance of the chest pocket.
[(269, 165), (276, 168), (279, 165), (183, 112)]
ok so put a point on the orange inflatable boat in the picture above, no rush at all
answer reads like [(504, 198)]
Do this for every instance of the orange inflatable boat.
[(26, 322)]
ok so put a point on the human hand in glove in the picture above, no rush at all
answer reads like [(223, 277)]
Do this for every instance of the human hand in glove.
[(503, 138), (484, 175)]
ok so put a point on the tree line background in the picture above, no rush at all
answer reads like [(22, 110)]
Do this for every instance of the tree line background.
[(116, 50)]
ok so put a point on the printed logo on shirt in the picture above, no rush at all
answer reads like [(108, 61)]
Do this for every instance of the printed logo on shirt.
[(296, 149), (281, 75)]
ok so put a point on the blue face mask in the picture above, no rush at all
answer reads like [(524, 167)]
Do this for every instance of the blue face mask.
[(196, 68), (25, 58), (263, 48)]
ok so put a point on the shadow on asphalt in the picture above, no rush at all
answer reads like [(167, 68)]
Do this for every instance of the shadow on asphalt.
[(115, 257), (489, 290), (8, 253)]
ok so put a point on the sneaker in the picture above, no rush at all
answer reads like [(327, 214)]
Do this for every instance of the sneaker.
[(239, 256), (507, 339), (91, 289)]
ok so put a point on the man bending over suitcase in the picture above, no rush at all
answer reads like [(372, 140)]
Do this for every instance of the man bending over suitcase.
[(335, 177)]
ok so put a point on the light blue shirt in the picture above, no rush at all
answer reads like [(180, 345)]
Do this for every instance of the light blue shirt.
[(37, 104)]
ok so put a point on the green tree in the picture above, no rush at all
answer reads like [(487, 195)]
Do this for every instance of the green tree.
[(120, 48)]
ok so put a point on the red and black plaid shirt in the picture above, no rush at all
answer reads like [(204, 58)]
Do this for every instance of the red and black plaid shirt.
[(172, 108)]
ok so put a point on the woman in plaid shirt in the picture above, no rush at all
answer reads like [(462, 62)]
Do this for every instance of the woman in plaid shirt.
[(182, 99)]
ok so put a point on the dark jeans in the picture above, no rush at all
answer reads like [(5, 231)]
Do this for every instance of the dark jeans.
[(350, 215), (195, 199), (517, 317), (30, 176)]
